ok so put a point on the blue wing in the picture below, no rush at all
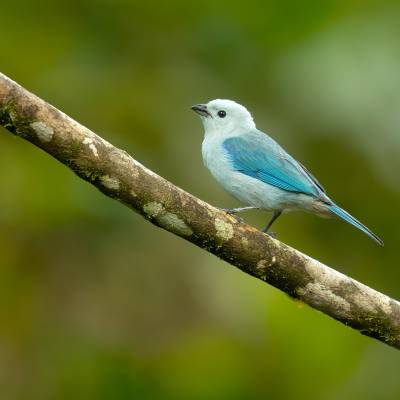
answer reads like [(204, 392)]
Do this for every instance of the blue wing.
[(257, 155)]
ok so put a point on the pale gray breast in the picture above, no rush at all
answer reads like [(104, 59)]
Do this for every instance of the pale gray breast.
[(215, 158)]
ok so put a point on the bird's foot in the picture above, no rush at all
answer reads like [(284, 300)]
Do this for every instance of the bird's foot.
[(271, 234), (238, 219), (233, 212), (229, 211)]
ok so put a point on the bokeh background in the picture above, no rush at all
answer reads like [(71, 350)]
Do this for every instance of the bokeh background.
[(95, 302)]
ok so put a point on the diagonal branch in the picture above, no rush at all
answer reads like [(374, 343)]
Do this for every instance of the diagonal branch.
[(119, 176)]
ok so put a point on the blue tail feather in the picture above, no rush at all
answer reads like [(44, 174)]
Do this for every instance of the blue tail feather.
[(351, 220)]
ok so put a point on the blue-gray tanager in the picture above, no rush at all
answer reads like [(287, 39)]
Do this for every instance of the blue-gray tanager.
[(256, 170)]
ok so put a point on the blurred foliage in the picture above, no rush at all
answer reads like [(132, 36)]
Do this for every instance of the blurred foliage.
[(95, 303)]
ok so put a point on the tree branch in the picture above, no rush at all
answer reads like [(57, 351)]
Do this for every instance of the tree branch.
[(119, 176)]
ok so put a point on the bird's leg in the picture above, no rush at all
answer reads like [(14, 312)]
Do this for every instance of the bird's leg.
[(275, 216), (234, 211)]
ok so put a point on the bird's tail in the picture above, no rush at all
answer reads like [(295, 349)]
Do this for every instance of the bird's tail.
[(351, 220)]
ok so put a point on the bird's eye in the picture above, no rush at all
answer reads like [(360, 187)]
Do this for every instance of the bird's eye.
[(222, 114)]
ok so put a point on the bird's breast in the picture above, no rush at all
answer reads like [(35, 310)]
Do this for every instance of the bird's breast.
[(215, 158)]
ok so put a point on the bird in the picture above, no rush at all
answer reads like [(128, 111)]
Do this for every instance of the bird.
[(257, 171)]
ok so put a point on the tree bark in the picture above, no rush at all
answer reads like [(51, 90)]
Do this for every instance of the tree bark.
[(120, 177)]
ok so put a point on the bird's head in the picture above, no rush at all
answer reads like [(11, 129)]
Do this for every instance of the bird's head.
[(223, 116)]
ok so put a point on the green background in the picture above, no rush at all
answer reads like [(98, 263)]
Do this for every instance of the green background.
[(95, 302)]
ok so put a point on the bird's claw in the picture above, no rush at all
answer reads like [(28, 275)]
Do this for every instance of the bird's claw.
[(272, 234), (233, 213), (238, 219)]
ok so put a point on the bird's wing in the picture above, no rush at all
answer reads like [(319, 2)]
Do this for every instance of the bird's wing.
[(312, 177), (257, 155)]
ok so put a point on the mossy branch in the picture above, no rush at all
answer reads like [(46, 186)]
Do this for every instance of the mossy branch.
[(119, 176)]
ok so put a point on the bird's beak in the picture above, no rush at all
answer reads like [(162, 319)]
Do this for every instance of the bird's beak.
[(201, 109)]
